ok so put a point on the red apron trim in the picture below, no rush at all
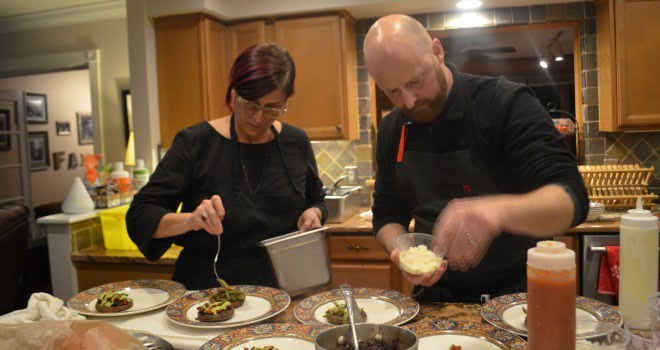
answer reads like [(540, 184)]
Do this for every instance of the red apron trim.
[(402, 144)]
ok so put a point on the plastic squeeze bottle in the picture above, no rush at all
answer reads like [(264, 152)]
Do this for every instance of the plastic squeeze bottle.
[(550, 296), (638, 262), (121, 179), (141, 174)]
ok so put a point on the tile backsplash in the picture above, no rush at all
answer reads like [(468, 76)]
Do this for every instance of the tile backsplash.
[(332, 157)]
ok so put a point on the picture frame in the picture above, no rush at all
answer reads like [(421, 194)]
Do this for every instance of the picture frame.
[(62, 128), (85, 128), (36, 108), (5, 125), (39, 154)]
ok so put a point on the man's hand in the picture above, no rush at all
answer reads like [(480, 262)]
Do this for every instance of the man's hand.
[(310, 218), (466, 228), (427, 279)]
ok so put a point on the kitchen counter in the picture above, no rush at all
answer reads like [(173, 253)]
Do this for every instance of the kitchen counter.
[(355, 225)]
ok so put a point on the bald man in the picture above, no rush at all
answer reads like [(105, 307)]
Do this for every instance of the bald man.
[(476, 161)]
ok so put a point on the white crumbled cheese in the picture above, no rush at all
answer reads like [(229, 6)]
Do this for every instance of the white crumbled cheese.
[(419, 260)]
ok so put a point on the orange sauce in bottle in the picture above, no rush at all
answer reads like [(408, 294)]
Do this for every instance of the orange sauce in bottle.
[(550, 297)]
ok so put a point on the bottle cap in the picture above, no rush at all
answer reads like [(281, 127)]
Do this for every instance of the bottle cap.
[(119, 166), (139, 164), (639, 218), (551, 255)]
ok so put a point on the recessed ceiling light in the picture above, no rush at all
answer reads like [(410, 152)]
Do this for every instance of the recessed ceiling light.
[(468, 4), (559, 58)]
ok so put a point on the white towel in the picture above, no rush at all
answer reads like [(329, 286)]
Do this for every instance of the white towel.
[(41, 306)]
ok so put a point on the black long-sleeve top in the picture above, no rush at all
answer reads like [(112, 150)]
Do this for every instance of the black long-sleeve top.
[(201, 163), (512, 131)]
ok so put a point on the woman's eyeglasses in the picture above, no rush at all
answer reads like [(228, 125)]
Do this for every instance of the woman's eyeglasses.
[(252, 108)]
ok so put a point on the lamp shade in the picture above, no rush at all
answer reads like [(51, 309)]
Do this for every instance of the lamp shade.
[(77, 200), (129, 160)]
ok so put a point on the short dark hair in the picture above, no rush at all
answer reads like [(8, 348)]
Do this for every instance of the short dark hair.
[(259, 70)]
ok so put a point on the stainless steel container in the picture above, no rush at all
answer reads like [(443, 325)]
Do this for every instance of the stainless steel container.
[(407, 340), (299, 260)]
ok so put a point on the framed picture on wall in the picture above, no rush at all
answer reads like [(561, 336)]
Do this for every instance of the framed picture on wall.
[(85, 128), (39, 156), (63, 128), (36, 108), (5, 139)]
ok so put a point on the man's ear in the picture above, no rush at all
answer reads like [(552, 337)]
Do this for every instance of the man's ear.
[(438, 51)]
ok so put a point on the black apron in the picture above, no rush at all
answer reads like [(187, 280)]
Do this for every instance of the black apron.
[(272, 210), (428, 181)]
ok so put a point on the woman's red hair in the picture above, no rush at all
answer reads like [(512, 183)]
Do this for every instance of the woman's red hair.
[(260, 70)]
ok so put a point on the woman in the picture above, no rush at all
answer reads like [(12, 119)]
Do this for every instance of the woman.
[(246, 176)]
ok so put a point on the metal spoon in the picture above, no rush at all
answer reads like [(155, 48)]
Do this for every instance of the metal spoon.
[(354, 315), (215, 261)]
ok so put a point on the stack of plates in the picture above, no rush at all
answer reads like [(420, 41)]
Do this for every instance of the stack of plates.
[(595, 211)]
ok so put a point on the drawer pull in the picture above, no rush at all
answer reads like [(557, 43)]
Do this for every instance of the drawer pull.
[(357, 248)]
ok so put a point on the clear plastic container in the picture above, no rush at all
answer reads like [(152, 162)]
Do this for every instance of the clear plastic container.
[(419, 253), (654, 312), (640, 334), (602, 336)]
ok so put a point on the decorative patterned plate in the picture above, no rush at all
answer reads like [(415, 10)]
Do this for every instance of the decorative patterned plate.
[(506, 313), (260, 303), (441, 334), (382, 306), (147, 295), (280, 335)]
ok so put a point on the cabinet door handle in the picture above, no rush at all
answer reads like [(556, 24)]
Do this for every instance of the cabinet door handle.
[(357, 247), (339, 127)]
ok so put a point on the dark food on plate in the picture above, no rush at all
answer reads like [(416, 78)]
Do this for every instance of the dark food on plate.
[(525, 311), (113, 302), (455, 347), (234, 296), (214, 312), (339, 315), (267, 347)]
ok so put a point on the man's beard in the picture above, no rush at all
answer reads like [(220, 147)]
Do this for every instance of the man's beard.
[(426, 110)]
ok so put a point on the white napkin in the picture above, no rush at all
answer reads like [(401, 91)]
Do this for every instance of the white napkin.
[(367, 215), (41, 306)]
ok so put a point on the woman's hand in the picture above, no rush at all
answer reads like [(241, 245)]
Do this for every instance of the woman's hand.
[(310, 218), (208, 216)]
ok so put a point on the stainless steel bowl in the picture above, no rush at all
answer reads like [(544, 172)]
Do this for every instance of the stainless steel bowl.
[(407, 340)]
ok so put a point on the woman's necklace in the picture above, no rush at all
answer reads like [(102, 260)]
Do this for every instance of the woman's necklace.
[(245, 174)]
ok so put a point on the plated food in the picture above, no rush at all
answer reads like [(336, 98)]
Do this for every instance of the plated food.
[(138, 296), (226, 293), (383, 306), (338, 314), (267, 347), (442, 334), (506, 312), (282, 336), (201, 310), (113, 302)]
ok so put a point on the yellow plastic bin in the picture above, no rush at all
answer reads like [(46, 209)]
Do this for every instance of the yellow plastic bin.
[(113, 224)]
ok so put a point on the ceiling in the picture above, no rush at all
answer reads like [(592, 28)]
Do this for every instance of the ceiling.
[(235, 9)]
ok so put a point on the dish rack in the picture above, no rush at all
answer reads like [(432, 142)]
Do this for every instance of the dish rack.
[(618, 186)]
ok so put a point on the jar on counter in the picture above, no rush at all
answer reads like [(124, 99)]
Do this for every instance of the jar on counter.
[(351, 175)]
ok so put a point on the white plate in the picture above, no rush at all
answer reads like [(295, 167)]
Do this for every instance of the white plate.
[(382, 306), (147, 295), (434, 335), (260, 303), (281, 335), (506, 313)]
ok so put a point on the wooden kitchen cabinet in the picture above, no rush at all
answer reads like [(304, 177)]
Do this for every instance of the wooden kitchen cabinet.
[(325, 99), (361, 262), (627, 69), (192, 72), (246, 34)]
